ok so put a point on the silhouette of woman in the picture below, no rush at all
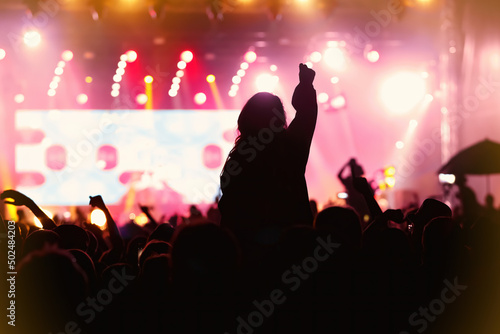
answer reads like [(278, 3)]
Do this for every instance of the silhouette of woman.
[(262, 182)]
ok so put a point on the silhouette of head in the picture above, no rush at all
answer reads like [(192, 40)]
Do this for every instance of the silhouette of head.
[(38, 239), (263, 110), (342, 223), (72, 237)]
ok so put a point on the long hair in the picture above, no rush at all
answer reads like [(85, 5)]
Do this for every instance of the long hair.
[(263, 110)]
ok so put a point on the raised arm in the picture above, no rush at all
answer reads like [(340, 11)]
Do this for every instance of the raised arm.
[(19, 199), (114, 233), (301, 129)]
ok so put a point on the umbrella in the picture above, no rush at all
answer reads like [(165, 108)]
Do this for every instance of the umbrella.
[(482, 158)]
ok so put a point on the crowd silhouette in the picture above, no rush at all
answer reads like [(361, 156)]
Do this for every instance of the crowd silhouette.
[(263, 260)]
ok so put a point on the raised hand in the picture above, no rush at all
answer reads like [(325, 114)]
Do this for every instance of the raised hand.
[(18, 198), (306, 74)]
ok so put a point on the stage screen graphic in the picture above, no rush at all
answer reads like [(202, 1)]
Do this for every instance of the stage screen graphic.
[(63, 156)]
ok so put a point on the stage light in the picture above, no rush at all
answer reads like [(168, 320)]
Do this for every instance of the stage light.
[(181, 65), (240, 73), (53, 85), (273, 68), (51, 92), (172, 92), (372, 56), (19, 98), (117, 78), (309, 64), (88, 79), (98, 217), (61, 64), (82, 98), (338, 102), (2, 54), (250, 57), (32, 38), (316, 57), (120, 71), (402, 92), (447, 178), (424, 74), (200, 98), (334, 57), (235, 87), (58, 71), (334, 80), (266, 82), (148, 79), (210, 78), (400, 145), (244, 66), (67, 55), (115, 93), (390, 181), (179, 73), (232, 93), (322, 97), (390, 171), (175, 86), (131, 56), (56, 79), (413, 124), (428, 98), (124, 57), (122, 64), (141, 99), (115, 86), (187, 56), (176, 80), (236, 79)]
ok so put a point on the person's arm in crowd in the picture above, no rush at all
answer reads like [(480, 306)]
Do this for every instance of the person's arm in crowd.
[(362, 185), (146, 211), (380, 222), (114, 233), (19, 199), (301, 129)]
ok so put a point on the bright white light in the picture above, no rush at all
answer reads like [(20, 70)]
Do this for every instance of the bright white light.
[(334, 80), (266, 82), (181, 65), (115, 86), (309, 64), (122, 64), (429, 98), (67, 55), (187, 56), (240, 73), (117, 78), (372, 56), (250, 57), (56, 79), (236, 79), (338, 102), (82, 98), (322, 97), (32, 38), (176, 80), (316, 57), (175, 86), (141, 99), (97, 217), (232, 93), (115, 93), (2, 54), (402, 92), (244, 66), (19, 98), (413, 124), (447, 178), (335, 58), (120, 71), (400, 145), (172, 92), (273, 68), (179, 73), (200, 98), (131, 56), (51, 92), (424, 74), (235, 87), (123, 57), (61, 63), (58, 71), (53, 85)]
